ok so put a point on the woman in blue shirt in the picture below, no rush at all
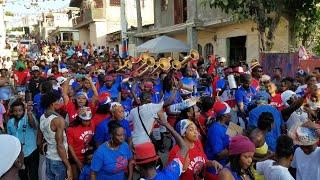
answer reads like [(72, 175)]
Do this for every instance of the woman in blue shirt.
[(112, 159)]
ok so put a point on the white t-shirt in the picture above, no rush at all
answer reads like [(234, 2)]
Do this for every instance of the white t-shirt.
[(273, 172), (308, 166), (148, 113)]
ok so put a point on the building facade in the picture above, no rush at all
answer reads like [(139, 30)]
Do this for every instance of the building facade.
[(211, 31), (101, 17)]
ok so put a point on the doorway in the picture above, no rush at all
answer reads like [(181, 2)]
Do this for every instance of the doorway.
[(237, 49)]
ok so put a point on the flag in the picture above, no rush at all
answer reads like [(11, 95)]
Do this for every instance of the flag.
[(125, 48)]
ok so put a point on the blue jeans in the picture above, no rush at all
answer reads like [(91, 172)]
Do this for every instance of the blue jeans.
[(55, 170)]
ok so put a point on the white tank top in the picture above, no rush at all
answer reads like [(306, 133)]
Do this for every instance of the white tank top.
[(49, 136)]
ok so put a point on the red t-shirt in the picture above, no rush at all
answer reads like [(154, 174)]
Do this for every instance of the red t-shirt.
[(255, 83), (277, 102), (97, 119), (21, 77), (73, 111), (79, 138), (197, 161)]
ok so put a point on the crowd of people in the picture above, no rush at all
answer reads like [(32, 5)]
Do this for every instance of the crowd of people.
[(82, 112)]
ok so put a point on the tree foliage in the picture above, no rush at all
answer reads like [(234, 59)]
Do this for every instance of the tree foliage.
[(303, 17), (8, 13)]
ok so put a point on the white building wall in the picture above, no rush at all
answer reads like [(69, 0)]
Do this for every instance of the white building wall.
[(113, 14)]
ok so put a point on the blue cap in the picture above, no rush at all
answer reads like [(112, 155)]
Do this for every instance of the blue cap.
[(262, 96)]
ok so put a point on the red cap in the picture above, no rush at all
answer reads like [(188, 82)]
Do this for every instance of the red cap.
[(104, 98), (145, 153), (241, 144), (221, 108)]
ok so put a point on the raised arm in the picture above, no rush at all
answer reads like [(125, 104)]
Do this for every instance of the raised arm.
[(183, 146), (65, 91)]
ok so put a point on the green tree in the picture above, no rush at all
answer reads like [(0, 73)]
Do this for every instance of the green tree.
[(303, 17), (8, 13)]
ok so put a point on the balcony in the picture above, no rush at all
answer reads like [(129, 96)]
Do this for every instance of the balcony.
[(89, 15)]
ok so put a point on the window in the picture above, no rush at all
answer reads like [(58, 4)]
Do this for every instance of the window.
[(164, 5), (200, 49), (114, 2), (208, 50)]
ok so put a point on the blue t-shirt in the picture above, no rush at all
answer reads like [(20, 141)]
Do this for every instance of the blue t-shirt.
[(114, 90), (90, 93), (37, 108), (127, 104), (85, 173), (167, 95), (25, 133), (221, 84), (170, 172), (111, 164), (245, 96), (272, 136), (217, 141), (102, 135)]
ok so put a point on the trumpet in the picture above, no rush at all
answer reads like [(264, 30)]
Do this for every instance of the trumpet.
[(194, 54), (127, 64)]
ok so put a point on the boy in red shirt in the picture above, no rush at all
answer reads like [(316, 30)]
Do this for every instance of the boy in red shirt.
[(21, 76)]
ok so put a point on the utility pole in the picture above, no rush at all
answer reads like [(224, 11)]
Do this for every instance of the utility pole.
[(139, 18), (124, 26)]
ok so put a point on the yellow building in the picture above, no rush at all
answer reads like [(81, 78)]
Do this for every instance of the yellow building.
[(212, 31)]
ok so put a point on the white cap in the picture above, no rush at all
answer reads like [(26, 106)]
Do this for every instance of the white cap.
[(286, 95), (64, 70), (222, 59), (49, 72), (35, 68), (114, 104), (10, 150), (61, 80), (265, 78)]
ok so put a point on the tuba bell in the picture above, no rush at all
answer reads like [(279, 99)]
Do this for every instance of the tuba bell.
[(176, 64), (194, 54), (164, 64)]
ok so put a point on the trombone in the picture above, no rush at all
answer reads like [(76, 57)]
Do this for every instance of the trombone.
[(194, 54), (127, 64), (146, 59), (176, 64), (150, 62)]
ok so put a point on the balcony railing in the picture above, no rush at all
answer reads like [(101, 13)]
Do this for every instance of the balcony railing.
[(89, 15)]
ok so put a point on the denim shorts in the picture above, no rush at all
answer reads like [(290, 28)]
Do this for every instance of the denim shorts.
[(55, 170)]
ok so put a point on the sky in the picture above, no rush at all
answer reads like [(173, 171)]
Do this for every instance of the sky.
[(21, 8), (24, 7)]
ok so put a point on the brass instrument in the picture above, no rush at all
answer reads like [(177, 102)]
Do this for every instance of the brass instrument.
[(194, 54), (163, 64), (127, 64), (176, 64)]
